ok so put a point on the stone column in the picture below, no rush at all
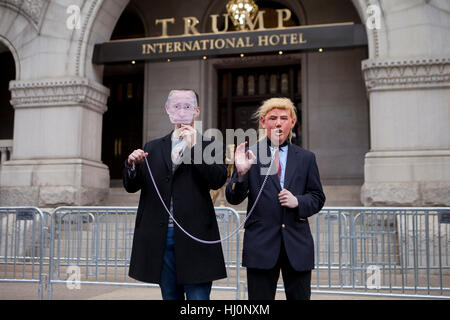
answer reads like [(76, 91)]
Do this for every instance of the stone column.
[(409, 160), (57, 144)]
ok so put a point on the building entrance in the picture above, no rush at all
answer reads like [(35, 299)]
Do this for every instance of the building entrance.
[(123, 122), (241, 92)]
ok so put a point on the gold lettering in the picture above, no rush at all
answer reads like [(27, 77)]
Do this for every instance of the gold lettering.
[(284, 36), (272, 41), (259, 19), (221, 45), (160, 46), (169, 47), (214, 27), (177, 47), (204, 42), (187, 46), (240, 43), (148, 48), (301, 39), (294, 39), (164, 25), (196, 46), (263, 41), (189, 25), (248, 43), (283, 15), (231, 42)]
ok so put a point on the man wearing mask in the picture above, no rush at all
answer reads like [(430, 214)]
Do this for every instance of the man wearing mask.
[(277, 234), (162, 253)]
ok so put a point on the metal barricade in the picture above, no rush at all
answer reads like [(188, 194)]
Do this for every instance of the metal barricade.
[(381, 252), (22, 241), (330, 229), (92, 245), (401, 251), (229, 221)]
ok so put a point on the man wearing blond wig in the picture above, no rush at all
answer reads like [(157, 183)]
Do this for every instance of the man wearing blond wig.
[(277, 234)]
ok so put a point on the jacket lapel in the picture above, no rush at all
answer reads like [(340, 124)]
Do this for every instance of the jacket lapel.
[(167, 150)]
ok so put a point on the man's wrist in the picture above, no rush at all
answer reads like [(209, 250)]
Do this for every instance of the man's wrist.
[(241, 176)]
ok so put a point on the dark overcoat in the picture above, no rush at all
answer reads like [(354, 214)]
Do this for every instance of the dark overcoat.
[(189, 187), (270, 223)]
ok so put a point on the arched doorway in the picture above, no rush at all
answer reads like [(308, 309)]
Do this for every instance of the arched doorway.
[(123, 122), (7, 65)]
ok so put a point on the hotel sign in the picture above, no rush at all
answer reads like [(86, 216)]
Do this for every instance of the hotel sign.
[(190, 46)]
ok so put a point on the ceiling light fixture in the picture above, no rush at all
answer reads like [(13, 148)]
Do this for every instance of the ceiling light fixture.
[(239, 10)]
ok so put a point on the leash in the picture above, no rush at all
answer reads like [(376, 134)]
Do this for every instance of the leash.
[(213, 241)]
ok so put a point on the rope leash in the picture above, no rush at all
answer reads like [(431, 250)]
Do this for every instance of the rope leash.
[(207, 241)]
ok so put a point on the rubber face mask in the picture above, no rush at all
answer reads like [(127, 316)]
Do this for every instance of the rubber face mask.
[(181, 106)]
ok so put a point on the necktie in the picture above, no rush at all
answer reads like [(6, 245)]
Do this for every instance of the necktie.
[(277, 161)]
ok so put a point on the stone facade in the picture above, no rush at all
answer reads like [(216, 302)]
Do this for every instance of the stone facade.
[(59, 99), (56, 157), (409, 91)]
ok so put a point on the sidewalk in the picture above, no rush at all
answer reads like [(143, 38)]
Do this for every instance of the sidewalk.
[(26, 291)]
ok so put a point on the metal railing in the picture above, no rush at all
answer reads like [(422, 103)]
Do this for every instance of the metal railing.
[(92, 245), (385, 252), (22, 244), (388, 252)]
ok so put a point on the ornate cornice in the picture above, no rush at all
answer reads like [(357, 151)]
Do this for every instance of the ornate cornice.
[(32, 10), (409, 73), (59, 92)]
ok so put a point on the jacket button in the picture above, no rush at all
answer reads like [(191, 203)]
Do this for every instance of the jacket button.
[(168, 179)]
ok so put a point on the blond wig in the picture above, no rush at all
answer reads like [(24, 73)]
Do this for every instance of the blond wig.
[(274, 103)]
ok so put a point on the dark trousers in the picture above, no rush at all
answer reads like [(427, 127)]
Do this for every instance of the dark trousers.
[(262, 284), (170, 289)]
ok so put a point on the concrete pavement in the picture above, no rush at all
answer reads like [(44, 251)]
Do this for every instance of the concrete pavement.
[(27, 291)]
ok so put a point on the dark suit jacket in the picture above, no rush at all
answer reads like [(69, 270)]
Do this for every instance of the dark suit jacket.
[(270, 223), (193, 209)]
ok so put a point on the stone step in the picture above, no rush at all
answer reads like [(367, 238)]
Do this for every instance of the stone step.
[(119, 197)]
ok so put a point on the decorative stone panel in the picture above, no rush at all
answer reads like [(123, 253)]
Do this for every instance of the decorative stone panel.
[(33, 10)]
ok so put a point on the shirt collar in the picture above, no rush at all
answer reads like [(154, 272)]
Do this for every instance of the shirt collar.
[(283, 146)]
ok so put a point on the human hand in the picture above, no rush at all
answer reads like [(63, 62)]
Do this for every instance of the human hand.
[(137, 157), (287, 199), (188, 134), (242, 161)]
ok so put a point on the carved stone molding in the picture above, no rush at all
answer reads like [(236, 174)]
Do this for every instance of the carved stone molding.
[(82, 43), (33, 10), (410, 73), (59, 92)]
